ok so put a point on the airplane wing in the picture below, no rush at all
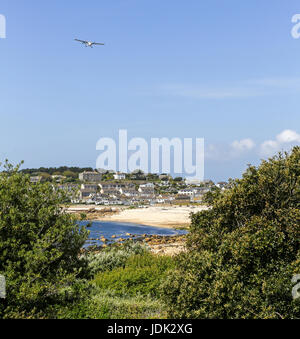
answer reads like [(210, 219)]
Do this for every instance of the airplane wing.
[(98, 43), (84, 42)]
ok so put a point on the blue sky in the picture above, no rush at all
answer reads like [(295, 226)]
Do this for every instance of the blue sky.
[(227, 71)]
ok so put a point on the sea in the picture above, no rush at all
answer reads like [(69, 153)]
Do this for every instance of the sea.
[(112, 231)]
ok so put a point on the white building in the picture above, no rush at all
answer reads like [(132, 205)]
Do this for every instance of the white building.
[(129, 192), (148, 185), (92, 187), (222, 185), (90, 176), (200, 191), (146, 191), (195, 182), (187, 191), (119, 176)]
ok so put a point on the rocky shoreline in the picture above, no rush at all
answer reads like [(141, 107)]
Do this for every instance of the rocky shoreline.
[(160, 245)]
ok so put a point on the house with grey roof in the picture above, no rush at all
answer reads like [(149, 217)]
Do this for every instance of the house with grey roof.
[(90, 176)]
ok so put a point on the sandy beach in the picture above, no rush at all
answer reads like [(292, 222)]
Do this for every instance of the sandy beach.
[(168, 216)]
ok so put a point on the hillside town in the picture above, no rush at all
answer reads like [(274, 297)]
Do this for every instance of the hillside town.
[(111, 188)]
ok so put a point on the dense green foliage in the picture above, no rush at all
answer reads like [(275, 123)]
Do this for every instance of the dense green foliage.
[(127, 285), (244, 250), (142, 274), (39, 246), (242, 254), (46, 275), (63, 170), (113, 257), (106, 304)]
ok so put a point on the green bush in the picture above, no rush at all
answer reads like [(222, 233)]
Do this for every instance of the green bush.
[(39, 246), (142, 274), (244, 250), (113, 257), (125, 287), (105, 304)]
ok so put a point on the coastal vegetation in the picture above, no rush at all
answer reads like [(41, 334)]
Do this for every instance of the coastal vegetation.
[(142, 274), (124, 284), (241, 255), (63, 170), (113, 257), (39, 246), (244, 251), (48, 276)]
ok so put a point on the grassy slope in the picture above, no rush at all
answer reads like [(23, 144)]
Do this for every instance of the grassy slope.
[(126, 285)]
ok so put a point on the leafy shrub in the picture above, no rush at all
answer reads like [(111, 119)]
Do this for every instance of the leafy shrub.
[(105, 304), (39, 246), (142, 274), (113, 257), (244, 251)]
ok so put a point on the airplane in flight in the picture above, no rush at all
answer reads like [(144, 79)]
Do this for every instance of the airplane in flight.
[(88, 43)]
